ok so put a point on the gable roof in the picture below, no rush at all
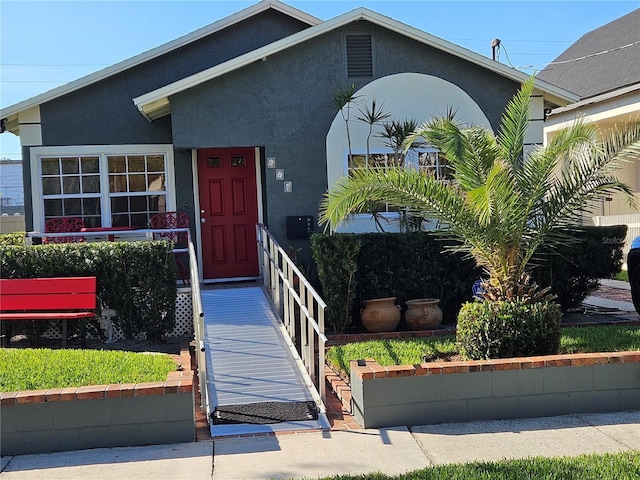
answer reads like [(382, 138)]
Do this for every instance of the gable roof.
[(12, 111), (601, 61), (156, 104)]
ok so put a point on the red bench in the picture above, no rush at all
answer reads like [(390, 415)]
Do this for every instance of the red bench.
[(63, 298)]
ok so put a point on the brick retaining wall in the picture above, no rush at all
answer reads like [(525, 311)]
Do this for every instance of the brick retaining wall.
[(439, 392)]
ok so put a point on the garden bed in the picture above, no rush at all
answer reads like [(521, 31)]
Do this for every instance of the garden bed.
[(61, 419), (440, 392), (457, 391)]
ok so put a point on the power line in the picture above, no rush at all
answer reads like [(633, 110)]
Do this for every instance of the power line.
[(603, 52)]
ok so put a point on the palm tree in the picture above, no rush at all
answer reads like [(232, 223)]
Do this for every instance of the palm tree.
[(503, 204)]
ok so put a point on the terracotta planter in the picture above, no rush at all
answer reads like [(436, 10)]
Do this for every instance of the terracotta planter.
[(380, 315), (423, 314)]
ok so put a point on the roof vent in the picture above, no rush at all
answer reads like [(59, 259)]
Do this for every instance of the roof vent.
[(359, 55)]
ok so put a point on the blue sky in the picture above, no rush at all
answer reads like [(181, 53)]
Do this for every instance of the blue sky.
[(45, 44)]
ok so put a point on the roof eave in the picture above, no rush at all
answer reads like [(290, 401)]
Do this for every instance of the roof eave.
[(596, 99), (12, 111), (161, 95)]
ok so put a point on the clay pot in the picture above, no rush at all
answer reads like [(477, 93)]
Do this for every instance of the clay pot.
[(423, 314), (380, 315)]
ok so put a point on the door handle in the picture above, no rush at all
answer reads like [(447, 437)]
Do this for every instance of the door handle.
[(202, 220)]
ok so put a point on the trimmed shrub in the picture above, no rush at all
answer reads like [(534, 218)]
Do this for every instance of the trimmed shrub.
[(508, 329), (137, 279)]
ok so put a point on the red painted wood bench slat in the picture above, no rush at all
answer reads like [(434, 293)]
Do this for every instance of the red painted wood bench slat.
[(60, 298)]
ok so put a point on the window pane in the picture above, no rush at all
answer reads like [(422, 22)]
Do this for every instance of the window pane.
[(92, 222), (157, 203), (70, 165), (120, 220), (72, 207), (91, 184), (138, 204), (137, 183), (155, 182), (117, 164), (377, 160), (91, 206), (136, 164), (51, 186), (70, 185), (50, 166), (53, 208), (238, 161), (357, 161), (90, 165), (117, 183), (140, 220), (119, 204), (214, 162), (155, 163)]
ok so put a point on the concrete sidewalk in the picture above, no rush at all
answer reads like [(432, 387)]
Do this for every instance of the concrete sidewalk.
[(310, 455)]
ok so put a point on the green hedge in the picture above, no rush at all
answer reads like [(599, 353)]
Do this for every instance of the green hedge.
[(15, 238), (404, 265), (137, 279), (356, 267), (573, 269)]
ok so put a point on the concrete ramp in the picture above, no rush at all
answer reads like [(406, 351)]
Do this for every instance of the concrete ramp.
[(251, 363)]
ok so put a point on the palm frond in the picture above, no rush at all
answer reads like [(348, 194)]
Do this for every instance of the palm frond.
[(515, 121)]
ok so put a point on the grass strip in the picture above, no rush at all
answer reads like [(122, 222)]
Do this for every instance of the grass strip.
[(618, 466), (38, 369), (603, 338)]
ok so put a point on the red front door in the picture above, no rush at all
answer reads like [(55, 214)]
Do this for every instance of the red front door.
[(228, 212)]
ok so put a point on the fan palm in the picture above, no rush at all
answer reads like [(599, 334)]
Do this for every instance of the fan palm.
[(503, 204)]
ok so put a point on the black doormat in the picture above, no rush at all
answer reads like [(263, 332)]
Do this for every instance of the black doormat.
[(265, 412)]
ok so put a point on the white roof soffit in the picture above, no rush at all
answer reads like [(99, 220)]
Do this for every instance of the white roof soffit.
[(12, 111), (597, 99), (156, 103)]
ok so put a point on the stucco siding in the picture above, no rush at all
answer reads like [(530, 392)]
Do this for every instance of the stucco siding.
[(285, 104)]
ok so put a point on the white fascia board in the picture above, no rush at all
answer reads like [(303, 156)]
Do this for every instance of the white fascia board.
[(597, 99), (237, 17), (152, 103)]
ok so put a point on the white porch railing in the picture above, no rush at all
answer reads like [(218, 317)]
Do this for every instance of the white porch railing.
[(198, 328), (300, 306)]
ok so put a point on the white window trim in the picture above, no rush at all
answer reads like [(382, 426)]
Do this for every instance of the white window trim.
[(95, 150)]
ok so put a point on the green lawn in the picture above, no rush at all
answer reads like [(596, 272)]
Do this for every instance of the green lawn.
[(37, 369), (418, 350), (620, 466)]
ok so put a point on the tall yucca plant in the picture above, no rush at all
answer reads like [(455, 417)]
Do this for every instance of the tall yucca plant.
[(502, 204)]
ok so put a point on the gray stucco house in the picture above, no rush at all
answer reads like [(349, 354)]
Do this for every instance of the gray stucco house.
[(234, 124)]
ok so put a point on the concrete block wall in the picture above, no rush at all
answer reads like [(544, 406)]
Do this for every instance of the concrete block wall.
[(61, 419), (441, 392)]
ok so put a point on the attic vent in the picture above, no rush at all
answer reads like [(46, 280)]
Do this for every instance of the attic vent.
[(359, 55)]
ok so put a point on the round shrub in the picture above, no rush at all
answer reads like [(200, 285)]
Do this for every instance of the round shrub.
[(508, 329)]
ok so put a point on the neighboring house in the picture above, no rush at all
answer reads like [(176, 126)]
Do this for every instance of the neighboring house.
[(603, 68), (235, 124)]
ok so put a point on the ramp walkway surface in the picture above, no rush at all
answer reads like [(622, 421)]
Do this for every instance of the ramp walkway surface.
[(252, 366)]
